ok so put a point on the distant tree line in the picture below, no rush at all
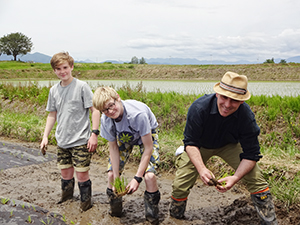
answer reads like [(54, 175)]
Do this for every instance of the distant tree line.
[(135, 60), (282, 61)]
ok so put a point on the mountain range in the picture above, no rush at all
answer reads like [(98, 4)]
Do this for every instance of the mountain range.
[(42, 58)]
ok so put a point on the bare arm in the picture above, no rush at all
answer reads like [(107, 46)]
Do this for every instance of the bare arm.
[(148, 144), (194, 154), (51, 119), (93, 140), (245, 167), (114, 155)]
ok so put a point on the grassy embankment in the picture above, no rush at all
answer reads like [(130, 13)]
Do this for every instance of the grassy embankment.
[(23, 116)]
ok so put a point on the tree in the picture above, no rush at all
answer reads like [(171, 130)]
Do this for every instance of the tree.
[(269, 61), (283, 61), (134, 60), (15, 44), (142, 61)]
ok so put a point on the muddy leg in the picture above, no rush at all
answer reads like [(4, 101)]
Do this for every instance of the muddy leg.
[(265, 207), (67, 188), (151, 201), (85, 194), (116, 204), (177, 208)]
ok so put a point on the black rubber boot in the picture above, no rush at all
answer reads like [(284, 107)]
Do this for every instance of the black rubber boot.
[(67, 188), (85, 189), (151, 201), (177, 208), (116, 204), (265, 207)]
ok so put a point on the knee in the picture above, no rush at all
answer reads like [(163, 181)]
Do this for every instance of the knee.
[(110, 175), (150, 177)]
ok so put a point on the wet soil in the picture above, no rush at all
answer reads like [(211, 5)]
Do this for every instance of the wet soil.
[(38, 184)]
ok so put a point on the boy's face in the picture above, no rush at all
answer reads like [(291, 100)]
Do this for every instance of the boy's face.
[(64, 72), (227, 106), (113, 108)]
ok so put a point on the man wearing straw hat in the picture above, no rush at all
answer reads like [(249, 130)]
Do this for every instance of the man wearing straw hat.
[(222, 124)]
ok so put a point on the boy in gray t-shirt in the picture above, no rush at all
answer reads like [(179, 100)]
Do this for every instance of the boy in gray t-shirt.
[(125, 124), (69, 103)]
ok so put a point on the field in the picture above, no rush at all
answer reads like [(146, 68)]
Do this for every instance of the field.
[(23, 117)]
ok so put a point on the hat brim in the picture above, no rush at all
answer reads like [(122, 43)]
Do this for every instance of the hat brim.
[(230, 94)]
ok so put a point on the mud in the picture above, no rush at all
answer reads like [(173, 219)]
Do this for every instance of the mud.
[(39, 185)]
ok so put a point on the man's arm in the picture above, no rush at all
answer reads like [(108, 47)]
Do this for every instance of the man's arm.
[(194, 154), (93, 140), (245, 167)]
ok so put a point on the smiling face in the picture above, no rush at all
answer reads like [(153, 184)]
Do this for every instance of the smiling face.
[(113, 108), (64, 73), (227, 106)]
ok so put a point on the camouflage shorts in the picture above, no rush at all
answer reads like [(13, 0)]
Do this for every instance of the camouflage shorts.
[(126, 149), (78, 157)]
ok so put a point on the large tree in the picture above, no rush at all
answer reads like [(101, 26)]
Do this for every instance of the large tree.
[(15, 44)]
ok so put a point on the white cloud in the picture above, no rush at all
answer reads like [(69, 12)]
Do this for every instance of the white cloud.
[(101, 30)]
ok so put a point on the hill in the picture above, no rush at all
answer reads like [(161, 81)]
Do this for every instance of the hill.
[(42, 58)]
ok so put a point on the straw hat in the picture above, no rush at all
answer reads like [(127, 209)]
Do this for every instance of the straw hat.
[(233, 86)]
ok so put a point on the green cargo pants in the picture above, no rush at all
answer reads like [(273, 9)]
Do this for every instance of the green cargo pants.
[(186, 174)]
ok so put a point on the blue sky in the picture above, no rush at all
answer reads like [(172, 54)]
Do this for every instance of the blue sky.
[(120, 29)]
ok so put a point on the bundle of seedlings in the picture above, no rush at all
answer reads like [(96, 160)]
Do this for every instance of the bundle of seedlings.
[(120, 186)]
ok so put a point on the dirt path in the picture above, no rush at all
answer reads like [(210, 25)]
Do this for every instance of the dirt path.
[(39, 184)]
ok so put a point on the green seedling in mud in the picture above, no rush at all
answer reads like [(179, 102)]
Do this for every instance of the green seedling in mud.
[(64, 218), (29, 219), (214, 182), (23, 206), (4, 200), (11, 213), (33, 208), (120, 186), (49, 221)]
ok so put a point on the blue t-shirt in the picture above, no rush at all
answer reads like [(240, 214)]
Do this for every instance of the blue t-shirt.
[(205, 127)]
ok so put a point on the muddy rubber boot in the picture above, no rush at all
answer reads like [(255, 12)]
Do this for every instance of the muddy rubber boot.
[(177, 208), (265, 207), (67, 188), (116, 203), (151, 201), (85, 189)]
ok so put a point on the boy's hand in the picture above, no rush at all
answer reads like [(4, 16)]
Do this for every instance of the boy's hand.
[(92, 143), (43, 145), (132, 186)]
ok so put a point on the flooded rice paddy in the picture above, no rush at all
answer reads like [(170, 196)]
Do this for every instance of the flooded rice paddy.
[(192, 87)]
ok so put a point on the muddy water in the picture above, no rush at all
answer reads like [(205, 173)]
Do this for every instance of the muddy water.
[(39, 184)]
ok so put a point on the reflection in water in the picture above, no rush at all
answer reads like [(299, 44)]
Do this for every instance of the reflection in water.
[(192, 87)]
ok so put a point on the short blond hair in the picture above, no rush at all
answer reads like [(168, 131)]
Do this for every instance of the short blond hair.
[(60, 58), (102, 95)]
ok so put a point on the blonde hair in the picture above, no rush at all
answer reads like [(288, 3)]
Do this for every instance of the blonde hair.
[(102, 95), (60, 58)]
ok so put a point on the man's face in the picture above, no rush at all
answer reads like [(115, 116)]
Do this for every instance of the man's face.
[(227, 106)]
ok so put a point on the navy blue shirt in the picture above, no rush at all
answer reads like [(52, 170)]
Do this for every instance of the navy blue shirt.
[(205, 127)]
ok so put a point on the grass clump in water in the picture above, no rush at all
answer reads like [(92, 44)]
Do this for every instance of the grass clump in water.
[(120, 186)]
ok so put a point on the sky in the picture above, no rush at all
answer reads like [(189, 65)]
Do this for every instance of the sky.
[(100, 30)]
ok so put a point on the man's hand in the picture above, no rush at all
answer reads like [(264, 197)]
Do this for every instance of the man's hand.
[(227, 183), (206, 175)]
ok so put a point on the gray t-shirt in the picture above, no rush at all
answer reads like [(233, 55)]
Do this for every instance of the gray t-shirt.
[(137, 121), (72, 105)]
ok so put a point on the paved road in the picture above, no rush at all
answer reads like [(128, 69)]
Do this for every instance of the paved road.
[(12, 211)]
